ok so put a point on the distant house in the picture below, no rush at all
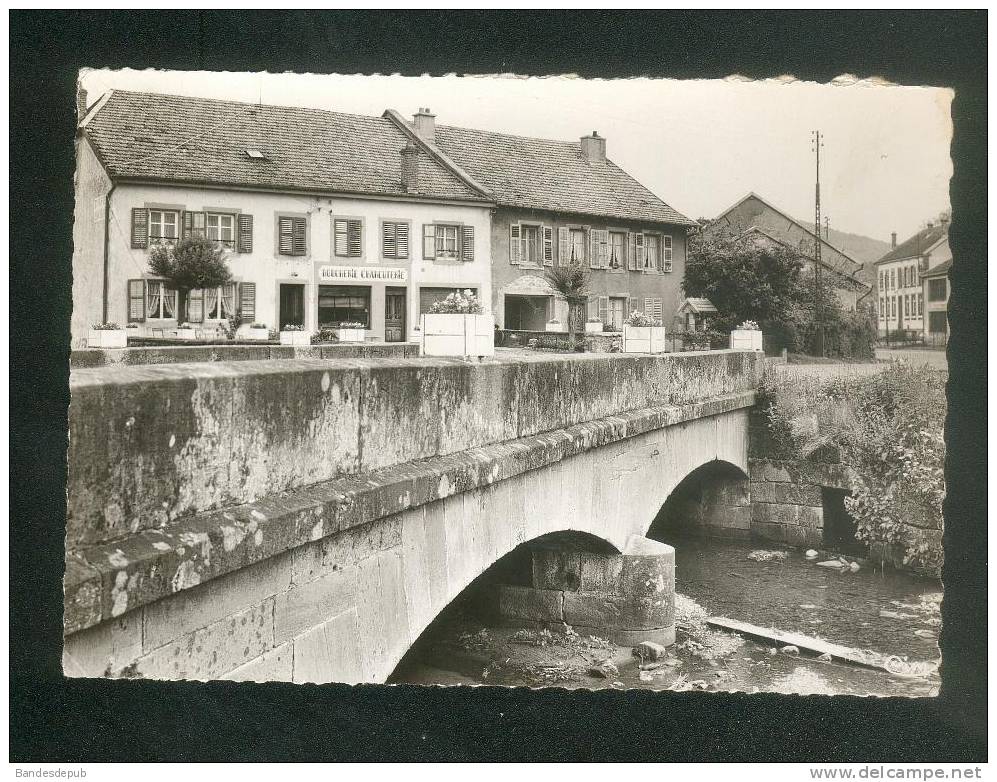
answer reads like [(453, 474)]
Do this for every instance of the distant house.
[(560, 202), (912, 288), (765, 223)]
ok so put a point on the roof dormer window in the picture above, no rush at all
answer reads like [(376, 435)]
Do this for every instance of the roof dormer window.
[(255, 154)]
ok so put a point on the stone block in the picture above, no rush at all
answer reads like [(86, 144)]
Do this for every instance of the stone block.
[(772, 514), (786, 493), (211, 651), (381, 615), (82, 595), (192, 609), (811, 537), (536, 605), (767, 470), (330, 652), (314, 602), (775, 533), (105, 649), (273, 666), (810, 517)]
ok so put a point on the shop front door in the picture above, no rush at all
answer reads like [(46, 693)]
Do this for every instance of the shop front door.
[(292, 305), (394, 315)]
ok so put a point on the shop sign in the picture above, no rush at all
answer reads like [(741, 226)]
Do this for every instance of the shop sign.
[(362, 274)]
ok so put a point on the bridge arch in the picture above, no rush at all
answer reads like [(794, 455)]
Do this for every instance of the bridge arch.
[(712, 499)]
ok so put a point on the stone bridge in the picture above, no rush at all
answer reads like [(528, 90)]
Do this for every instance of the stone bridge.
[(305, 520)]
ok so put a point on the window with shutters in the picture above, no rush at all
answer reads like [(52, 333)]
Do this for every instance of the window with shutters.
[(164, 226), (347, 237), (394, 239), (576, 245), (920, 304), (652, 252), (617, 250), (160, 301), (219, 303), (530, 244), (447, 238), (882, 309), (615, 312), (292, 235), (221, 228)]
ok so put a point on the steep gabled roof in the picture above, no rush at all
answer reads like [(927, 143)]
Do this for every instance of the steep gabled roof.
[(918, 244), (699, 305), (549, 175), (855, 265), (940, 270), (848, 278), (173, 138)]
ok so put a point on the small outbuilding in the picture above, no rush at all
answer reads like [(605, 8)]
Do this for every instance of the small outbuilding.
[(695, 314)]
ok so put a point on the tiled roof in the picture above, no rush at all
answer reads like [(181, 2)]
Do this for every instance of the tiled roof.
[(197, 140), (919, 243), (939, 270), (542, 174), (700, 305), (853, 279)]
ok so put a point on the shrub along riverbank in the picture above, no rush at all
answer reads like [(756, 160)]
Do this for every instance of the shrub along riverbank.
[(889, 428)]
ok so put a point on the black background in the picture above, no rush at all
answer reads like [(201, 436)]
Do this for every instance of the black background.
[(63, 720)]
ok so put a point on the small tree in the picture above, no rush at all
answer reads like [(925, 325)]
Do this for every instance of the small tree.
[(192, 263), (572, 282)]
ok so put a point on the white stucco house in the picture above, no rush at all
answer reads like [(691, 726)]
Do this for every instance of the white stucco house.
[(326, 217)]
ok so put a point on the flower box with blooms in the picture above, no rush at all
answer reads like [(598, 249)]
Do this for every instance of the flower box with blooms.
[(186, 331), (593, 326), (555, 325), (644, 334), (107, 335), (455, 326), (292, 334), (747, 336), (258, 331)]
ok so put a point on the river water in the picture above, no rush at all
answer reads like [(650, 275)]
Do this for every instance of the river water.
[(887, 612)]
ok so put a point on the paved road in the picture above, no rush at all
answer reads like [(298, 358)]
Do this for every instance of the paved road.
[(933, 358)]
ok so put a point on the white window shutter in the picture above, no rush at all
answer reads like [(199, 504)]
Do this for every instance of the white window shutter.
[(638, 251), (633, 305), (401, 239), (656, 309), (604, 308), (648, 306), (515, 248), (284, 234), (593, 247), (548, 245), (593, 307), (429, 242)]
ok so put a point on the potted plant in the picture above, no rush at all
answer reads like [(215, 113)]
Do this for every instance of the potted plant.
[(554, 325), (107, 335), (292, 334), (594, 326), (258, 331), (350, 332), (643, 334), (747, 336), (456, 326), (186, 331)]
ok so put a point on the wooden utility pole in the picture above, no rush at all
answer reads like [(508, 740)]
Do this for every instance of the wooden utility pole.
[(818, 142)]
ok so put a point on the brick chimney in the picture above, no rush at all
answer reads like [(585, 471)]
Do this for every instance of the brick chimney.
[(425, 125), (893, 240), (594, 148), (81, 104), (410, 168)]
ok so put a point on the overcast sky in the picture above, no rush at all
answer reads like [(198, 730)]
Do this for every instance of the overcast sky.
[(700, 145)]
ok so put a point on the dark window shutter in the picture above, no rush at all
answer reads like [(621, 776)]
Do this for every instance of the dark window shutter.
[(136, 301), (429, 242), (284, 235), (389, 240), (299, 242), (140, 228), (354, 238), (247, 301), (548, 245), (245, 243), (188, 225), (467, 243), (401, 237)]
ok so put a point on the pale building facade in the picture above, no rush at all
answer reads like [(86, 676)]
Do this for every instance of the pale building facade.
[(905, 295)]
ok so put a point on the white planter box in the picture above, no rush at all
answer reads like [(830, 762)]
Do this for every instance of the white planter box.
[(349, 335), (186, 334), (258, 334), (746, 339), (458, 335), (558, 328), (644, 339), (295, 338), (111, 338), (593, 328)]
